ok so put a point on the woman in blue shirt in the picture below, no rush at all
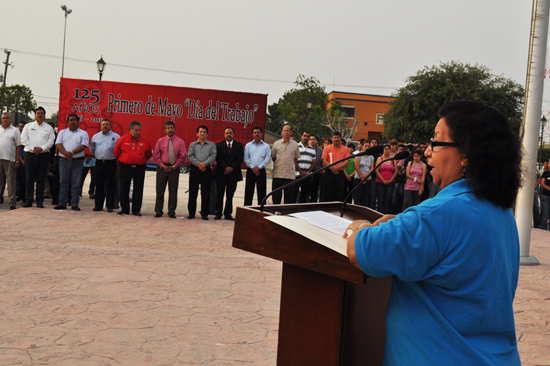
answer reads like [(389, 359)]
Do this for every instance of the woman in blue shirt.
[(454, 259)]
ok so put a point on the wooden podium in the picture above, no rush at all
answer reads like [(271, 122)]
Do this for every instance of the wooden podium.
[(331, 313)]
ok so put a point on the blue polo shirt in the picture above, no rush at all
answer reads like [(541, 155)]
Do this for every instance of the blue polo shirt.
[(454, 263)]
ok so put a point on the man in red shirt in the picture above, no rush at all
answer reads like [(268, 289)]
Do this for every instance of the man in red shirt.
[(132, 152), (335, 178)]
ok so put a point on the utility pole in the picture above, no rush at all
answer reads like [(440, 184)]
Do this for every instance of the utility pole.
[(530, 126), (7, 63)]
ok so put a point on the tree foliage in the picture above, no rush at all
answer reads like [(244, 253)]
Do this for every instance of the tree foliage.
[(53, 118), (413, 114), (17, 99), (291, 109)]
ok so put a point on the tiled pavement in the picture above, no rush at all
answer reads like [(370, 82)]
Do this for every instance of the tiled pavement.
[(94, 288)]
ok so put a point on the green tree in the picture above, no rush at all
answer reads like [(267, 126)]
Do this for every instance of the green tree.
[(53, 118), (17, 99), (292, 108), (413, 114)]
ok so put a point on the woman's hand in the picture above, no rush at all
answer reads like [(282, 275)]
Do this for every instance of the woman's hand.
[(356, 226)]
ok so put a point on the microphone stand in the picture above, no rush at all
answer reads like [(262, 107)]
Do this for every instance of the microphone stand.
[(304, 178), (398, 156)]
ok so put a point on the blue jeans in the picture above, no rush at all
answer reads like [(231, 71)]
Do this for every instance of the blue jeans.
[(70, 174), (544, 208)]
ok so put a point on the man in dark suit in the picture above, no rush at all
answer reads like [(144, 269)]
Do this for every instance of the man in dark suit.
[(230, 154)]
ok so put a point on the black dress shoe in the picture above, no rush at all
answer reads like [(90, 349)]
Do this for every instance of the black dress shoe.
[(159, 214), (172, 215), (136, 214), (28, 204), (92, 196), (12, 207), (218, 217), (75, 208), (60, 207), (122, 213), (110, 210), (191, 217), (40, 205), (230, 218), (97, 209), (205, 217)]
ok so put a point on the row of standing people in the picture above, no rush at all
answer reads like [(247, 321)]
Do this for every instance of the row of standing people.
[(292, 160)]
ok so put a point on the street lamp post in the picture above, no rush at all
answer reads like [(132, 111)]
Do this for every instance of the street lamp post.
[(67, 12), (101, 67), (542, 125)]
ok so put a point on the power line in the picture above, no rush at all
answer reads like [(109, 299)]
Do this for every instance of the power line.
[(196, 73)]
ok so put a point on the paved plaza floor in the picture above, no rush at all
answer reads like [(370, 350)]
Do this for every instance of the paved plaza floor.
[(94, 288)]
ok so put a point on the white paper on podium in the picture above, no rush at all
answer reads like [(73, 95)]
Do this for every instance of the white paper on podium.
[(318, 235), (324, 220)]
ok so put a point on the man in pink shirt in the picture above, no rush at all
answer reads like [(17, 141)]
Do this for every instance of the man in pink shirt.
[(170, 152)]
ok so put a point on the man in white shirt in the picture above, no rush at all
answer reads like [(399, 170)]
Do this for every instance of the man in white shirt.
[(38, 138), (103, 146), (10, 149), (285, 153), (71, 143)]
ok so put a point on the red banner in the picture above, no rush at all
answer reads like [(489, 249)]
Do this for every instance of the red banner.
[(153, 105)]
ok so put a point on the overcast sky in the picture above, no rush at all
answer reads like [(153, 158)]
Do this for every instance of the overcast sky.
[(363, 46)]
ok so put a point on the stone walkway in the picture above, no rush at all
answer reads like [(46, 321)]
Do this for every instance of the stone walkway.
[(94, 288)]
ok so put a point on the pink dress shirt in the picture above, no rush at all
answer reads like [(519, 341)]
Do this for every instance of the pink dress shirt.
[(162, 155)]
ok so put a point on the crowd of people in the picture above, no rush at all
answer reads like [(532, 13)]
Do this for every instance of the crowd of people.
[(391, 188), (40, 158), (33, 157)]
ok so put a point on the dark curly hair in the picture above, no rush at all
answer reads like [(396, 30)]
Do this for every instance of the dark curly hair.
[(492, 149)]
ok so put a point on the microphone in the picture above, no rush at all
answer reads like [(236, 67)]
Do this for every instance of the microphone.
[(399, 156), (374, 151)]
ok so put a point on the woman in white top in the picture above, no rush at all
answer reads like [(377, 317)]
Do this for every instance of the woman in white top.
[(363, 167)]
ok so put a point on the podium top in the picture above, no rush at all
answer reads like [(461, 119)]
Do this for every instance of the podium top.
[(289, 247)]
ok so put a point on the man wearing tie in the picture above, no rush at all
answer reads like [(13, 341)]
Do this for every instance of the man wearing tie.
[(170, 152), (229, 157)]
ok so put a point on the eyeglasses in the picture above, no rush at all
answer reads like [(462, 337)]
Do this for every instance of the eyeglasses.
[(439, 143)]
